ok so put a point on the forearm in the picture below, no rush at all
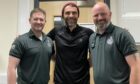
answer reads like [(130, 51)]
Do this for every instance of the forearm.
[(138, 71), (132, 79), (11, 77), (138, 77), (11, 71), (133, 61)]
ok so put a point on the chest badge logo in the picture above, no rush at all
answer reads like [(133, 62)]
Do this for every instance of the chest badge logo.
[(80, 40), (13, 46), (48, 43), (110, 40)]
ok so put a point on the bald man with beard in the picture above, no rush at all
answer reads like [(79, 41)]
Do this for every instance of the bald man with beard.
[(114, 54)]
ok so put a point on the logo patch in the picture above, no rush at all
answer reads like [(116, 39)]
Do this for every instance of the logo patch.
[(110, 40), (13, 46), (49, 43), (80, 40)]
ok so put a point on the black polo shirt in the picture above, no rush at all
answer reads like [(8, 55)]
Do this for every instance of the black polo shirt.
[(108, 55), (34, 56), (72, 66)]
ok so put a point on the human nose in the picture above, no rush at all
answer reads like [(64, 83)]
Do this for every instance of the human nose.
[(38, 21), (100, 16), (71, 14)]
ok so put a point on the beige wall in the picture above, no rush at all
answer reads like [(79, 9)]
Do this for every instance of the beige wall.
[(10, 17), (8, 28)]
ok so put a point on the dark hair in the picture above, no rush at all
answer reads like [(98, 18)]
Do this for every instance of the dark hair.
[(72, 5), (37, 10)]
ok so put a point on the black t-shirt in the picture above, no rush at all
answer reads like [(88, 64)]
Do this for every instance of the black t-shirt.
[(72, 66), (34, 56)]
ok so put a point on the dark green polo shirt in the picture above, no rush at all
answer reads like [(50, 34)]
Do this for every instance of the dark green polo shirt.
[(108, 55), (34, 56)]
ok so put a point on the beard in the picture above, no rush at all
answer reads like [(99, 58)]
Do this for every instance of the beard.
[(102, 25), (71, 22)]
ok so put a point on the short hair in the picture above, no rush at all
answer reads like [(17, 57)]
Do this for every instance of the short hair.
[(72, 5), (37, 10)]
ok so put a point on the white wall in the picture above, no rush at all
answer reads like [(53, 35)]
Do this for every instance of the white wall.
[(24, 8), (13, 19), (8, 28), (113, 7)]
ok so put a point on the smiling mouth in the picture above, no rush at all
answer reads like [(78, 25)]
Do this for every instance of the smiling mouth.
[(101, 21), (71, 19)]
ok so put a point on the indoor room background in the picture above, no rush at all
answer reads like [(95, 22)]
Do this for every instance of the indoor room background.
[(14, 16)]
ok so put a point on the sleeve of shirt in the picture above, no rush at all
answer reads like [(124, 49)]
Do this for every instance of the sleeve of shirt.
[(17, 49), (127, 43), (51, 34), (52, 47)]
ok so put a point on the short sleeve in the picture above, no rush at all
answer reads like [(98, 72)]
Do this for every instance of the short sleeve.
[(52, 44), (17, 49), (127, 43)]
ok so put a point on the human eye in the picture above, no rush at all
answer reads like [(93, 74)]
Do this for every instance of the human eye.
[(41, 19), (67, 13), (35, 19), (95, 15)]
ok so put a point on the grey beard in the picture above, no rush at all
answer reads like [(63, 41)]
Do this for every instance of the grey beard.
[(103, 26)]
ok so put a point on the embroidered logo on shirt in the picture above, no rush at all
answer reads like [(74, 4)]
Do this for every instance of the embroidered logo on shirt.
[(80, 40), (49, 43), (110, 40), (13, 46)]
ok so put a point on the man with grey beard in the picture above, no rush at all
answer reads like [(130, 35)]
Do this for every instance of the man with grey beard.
[(114, 54)]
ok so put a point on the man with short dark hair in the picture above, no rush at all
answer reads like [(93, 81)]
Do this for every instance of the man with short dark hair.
[(30, 53)]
